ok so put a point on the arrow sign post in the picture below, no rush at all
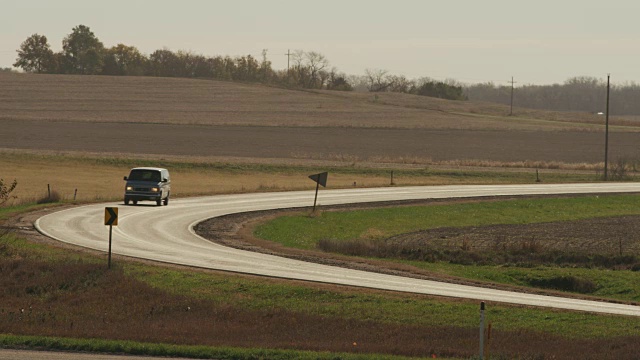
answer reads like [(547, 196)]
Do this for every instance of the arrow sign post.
[(111, 219), (320, 179)]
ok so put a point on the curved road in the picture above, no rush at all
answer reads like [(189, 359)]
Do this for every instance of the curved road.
[(166, 234)]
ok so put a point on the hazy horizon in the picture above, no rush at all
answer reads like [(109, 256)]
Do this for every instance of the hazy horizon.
[(537, 43)]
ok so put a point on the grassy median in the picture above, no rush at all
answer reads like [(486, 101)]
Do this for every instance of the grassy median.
[(536, 259)]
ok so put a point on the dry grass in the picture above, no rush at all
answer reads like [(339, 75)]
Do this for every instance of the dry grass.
[(201, 102), (98, 177), (469, 163), (98, 181)]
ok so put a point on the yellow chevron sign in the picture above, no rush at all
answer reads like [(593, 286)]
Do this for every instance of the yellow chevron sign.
[(111, 216)]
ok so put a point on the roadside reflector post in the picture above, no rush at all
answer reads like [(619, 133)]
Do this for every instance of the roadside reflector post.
[(110, 219), (481, 330), (320, 179)]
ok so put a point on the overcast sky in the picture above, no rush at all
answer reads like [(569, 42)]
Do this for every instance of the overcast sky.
[(536, 42)]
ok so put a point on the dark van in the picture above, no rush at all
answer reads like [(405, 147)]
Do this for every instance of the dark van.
[(147, 183)]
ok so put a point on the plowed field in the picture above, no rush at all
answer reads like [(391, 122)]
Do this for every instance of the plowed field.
[(136, 115)]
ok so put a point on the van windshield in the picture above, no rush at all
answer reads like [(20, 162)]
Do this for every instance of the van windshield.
[(145, 175)]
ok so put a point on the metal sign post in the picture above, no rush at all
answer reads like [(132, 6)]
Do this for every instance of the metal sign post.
[(320, 179), (481, 330), (111, 219), (110, 232)]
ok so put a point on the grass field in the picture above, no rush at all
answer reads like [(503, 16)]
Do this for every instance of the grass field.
[(532, 259), (305, 231)]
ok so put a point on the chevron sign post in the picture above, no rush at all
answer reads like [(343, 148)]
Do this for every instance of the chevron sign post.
[(111, 219)]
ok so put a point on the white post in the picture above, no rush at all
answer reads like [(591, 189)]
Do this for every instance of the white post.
[(481, 330)]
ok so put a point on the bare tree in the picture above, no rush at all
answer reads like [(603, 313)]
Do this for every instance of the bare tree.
[(377, 80), (359, 83), (399, 83), (297, 57), (316, 63)]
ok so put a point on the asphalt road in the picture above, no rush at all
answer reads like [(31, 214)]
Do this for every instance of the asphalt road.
[(166, 234)]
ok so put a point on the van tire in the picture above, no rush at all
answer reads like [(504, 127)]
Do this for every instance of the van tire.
[(166, 201), (159, 202), (135, 202), (126, 201)]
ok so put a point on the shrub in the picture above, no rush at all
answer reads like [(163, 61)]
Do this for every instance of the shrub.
[(565, 283), (6, 190)]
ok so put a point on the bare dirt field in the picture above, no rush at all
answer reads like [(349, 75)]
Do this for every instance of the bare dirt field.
[(205, 102), (139, 115), (358, 144)]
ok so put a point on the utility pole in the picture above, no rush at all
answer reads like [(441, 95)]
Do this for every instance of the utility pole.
[(288, 57), (511, 110), (606, 132)]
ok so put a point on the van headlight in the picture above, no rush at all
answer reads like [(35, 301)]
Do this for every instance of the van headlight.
[(129, 188), (155, 189)]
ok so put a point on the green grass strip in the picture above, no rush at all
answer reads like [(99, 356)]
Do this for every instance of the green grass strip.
[(615, 285), (389, 308), (167, 350), (303, 231)]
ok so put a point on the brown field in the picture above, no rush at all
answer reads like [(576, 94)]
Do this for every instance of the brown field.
[(165, 116), (204, 102), (359, 144), (93, 181)]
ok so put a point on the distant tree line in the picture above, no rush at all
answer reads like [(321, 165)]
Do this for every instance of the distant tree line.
[(83, 53), (582, 93), (378, 80)]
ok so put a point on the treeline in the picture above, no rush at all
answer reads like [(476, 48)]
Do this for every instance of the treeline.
[(583, 93), (377, 80), (83, 53)]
